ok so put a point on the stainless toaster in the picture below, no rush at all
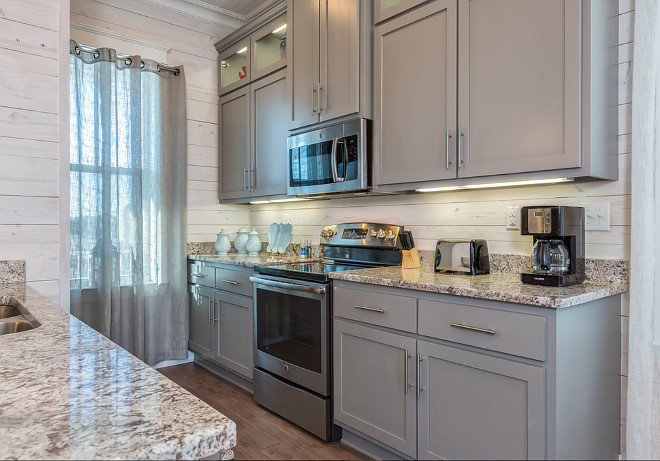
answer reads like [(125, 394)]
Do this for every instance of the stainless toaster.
[(462, 256)]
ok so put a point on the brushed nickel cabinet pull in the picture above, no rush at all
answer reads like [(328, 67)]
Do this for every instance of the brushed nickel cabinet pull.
[(231, 282), (318, 95), (370, 309), (245, 183), (447, 162), (487, 331), (214, 319), (314, 96), (405, 372), (210, 310), (199, 276), (419, 381), (458, 140)]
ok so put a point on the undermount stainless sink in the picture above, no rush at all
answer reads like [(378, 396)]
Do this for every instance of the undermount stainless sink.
[(7, 311), (14, 326)]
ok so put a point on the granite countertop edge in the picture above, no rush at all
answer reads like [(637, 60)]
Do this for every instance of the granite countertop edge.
[(41, 391), (261, 259), (496, 287)]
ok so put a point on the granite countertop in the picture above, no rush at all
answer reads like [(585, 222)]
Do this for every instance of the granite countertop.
[(70, 393), (496, 286), (261, 259)]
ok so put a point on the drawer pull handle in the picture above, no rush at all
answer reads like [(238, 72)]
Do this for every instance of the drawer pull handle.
[(468, 327), (419, 375), (200, 276), (231, 282), (405, 372), (370, 309)]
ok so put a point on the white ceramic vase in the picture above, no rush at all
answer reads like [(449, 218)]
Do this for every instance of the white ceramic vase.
[(241, 241), (222, 243), (254, 243)]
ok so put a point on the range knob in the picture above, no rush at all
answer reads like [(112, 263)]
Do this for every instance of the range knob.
[(381, 234), (330, 233), (390, 235), (374, 233)]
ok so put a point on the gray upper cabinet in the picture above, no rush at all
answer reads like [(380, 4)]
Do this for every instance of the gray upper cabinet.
[(373, 370), (269, 132), (519, 93), (329, 60), (234, 145), (473, 406), (253, 132), (468, 89), (234, 66), (385, 9), (415, 95)]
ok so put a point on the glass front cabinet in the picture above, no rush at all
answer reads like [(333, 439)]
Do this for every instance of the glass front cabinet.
[(255, 56)]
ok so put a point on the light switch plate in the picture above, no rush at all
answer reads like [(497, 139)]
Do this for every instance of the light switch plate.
[(597, 216), (513, 218)]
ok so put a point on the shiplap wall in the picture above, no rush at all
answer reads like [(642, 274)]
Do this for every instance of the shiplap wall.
[(161, 34), (30, 56)]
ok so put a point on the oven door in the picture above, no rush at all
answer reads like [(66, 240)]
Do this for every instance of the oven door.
[(291, 330)]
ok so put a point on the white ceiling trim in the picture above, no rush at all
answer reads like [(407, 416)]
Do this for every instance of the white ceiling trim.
[(119, 36), (223, 18), (233, 14)]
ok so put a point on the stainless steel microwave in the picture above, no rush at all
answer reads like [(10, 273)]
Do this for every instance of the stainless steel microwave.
[(329, 160)]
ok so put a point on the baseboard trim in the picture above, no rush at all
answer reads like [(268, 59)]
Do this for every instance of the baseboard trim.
[(171, 363), (369, 448)]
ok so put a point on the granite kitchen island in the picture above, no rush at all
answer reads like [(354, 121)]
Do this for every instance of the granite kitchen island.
[(70, 393)]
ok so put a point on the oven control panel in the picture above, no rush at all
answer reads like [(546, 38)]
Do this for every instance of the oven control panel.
[(361, 234)]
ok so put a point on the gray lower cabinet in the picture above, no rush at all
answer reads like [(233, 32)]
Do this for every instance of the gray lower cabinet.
[(373, 370), (234, 333), (221, 315), (465, 378), (200, 337), (475, 406)]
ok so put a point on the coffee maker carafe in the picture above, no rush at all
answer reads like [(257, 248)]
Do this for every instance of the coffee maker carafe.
[(557, 257)]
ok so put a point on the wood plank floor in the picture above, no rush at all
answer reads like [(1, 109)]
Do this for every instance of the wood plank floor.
[(261, 434)]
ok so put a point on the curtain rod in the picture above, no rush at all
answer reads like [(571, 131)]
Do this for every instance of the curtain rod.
[(126, 58)]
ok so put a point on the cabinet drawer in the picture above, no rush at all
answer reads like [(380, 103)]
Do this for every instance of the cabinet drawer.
[(513, 333), (398, 312), (234, 281), (201, 274)]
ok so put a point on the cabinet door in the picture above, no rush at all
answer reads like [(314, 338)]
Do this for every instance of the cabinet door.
[(519, 86), (473, 406), (269, 48), (234, 149), (340, 58), (234, 66), (415, 96), (200, 333), (385, 9), (270, 130), (235, 333), (303, 61), (372, 393)]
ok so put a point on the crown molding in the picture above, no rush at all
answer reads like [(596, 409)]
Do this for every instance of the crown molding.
[(242, 17), (200, 11), (119, 36)]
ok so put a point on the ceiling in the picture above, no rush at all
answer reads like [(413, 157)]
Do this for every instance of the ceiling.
[(243, 10)]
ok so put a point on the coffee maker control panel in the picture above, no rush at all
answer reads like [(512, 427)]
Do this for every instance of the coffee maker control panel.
[(539, 220)]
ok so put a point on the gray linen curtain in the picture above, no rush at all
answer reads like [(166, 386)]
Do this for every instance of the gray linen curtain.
[(128, 198)]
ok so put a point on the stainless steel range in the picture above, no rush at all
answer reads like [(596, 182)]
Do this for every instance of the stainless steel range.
[(293, 321)]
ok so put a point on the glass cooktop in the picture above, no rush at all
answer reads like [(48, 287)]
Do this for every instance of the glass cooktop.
[(313, 271)]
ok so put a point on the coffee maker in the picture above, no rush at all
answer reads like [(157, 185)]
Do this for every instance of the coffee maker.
[(558, 252)]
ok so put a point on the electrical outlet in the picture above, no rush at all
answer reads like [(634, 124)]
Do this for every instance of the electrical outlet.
[(513, 217), (597, 216)]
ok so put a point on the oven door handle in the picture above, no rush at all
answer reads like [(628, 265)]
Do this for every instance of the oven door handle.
[(288, 286)]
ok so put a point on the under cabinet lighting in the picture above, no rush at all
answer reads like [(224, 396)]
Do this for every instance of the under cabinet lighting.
[(282, 200), (279, 29), (439, 189), (531, 182), (242, 50)]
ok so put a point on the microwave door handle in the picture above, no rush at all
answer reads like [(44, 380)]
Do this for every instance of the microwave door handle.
[(335, 175), (344, 158)]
